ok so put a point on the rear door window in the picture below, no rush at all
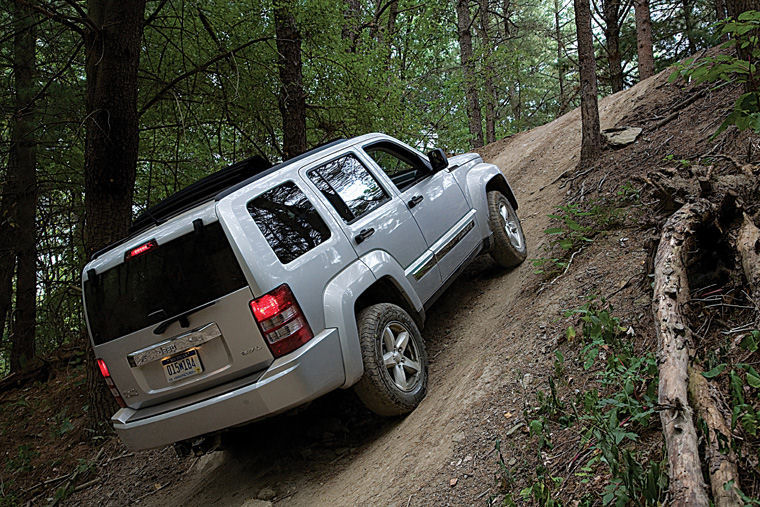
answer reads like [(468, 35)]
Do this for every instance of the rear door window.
[(349, 187), (288, 221)]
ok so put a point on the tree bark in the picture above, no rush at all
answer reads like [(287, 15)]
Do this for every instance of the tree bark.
[(24, 186), (721, 461), (644, 39), (560, 54), (488, 73), (671, 293), (748, 245), (734, 8), (689, 25), (112, 42), (591, 144), (612, 38), (720, 10), (468, 66), (292, 99), (352, 23)]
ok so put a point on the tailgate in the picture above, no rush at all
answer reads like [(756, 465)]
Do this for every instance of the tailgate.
[(175, 319)]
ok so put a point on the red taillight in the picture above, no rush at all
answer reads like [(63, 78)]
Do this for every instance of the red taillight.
[(103, 368), (109, 382), (281, 321), (150, 245)]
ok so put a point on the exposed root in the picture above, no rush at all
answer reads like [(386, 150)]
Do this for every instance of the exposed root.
[(671, 292), (721, 461)]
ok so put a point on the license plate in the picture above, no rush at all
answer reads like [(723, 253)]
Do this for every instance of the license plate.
[(182, 365)]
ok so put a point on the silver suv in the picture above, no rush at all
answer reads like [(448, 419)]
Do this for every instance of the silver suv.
[(260, 288)]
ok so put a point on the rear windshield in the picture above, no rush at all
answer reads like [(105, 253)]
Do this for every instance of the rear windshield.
[(164, 282)]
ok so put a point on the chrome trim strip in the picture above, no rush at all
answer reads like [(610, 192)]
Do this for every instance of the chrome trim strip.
[(423, 264), (173, 345)]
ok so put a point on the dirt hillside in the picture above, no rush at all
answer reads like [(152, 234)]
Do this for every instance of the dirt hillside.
[(494, 340)]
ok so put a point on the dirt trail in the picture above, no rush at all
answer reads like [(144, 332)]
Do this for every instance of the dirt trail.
[(329, 454)]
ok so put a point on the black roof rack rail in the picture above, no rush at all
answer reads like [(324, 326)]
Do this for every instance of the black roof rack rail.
[(202, 190), (215, 186)]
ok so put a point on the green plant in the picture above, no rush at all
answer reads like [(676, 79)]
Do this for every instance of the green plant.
[(22, 461), (743, 36)]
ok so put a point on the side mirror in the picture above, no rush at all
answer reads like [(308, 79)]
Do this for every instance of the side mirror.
[(438, 159)]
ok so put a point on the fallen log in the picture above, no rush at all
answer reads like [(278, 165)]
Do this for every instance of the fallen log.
[(721, 461), (748, 245), (671, 293)]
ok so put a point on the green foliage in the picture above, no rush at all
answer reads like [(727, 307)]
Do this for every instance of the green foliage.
[(744, 33), (575, 225), (22, 460), (610, 416)]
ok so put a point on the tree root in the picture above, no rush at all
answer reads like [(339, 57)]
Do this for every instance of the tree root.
[(671, 292), (721, 461), (748, 245)]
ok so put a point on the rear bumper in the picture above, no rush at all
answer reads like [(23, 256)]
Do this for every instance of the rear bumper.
[(304, 374)]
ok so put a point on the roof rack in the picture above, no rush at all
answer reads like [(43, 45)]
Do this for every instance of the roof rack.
[(214, 186), (202, 190)]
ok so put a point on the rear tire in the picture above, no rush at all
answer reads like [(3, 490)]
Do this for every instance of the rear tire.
[(395, 361), (508, 248)]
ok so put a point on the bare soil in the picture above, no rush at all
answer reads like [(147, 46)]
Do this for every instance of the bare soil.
[(491, 340)]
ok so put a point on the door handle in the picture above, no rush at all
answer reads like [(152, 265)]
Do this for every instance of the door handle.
[(414, 201), (364, 234)]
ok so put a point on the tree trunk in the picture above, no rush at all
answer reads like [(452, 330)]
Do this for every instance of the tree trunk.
[(352, 23), (591, 144), (612, 38), (24, 185), (112, 43), (468, 66), (689, 25), (719, 454), (720, 10), (560, 54), (671, 294), (292, 100), (488, 73), (644, 39)]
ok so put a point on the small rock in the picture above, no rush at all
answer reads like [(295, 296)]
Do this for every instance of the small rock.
[(512, 462), (453, 482), (255, 502), (266, 493), (467, 458), (621, 136), (458, 437)]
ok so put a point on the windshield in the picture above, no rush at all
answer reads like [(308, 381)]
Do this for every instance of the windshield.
[(164, 282)]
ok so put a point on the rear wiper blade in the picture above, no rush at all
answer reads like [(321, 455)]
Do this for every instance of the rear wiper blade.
[(182, 318)]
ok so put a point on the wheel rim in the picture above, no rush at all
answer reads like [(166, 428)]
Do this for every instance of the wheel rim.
[(400, 356), (511, 226)]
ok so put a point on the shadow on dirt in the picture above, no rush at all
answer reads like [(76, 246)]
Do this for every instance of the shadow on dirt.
[(327, 434)]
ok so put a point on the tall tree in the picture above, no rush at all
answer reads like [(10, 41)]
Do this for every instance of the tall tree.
[(23, 179), (591, 144), (488, 73), (292, 99), (468, 66), (613, 13), (112, 38), (644, 39)]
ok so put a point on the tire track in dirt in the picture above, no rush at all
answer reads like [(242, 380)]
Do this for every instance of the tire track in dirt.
[(394, 461)]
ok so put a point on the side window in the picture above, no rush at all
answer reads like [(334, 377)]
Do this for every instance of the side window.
[(349, 187), (288, 221), (403, 168)]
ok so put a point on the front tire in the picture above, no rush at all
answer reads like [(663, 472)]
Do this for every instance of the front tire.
[(395, 361), (508, 249)]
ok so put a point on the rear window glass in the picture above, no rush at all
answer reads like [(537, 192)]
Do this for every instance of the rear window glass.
[(164, 282), (288, 221)]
